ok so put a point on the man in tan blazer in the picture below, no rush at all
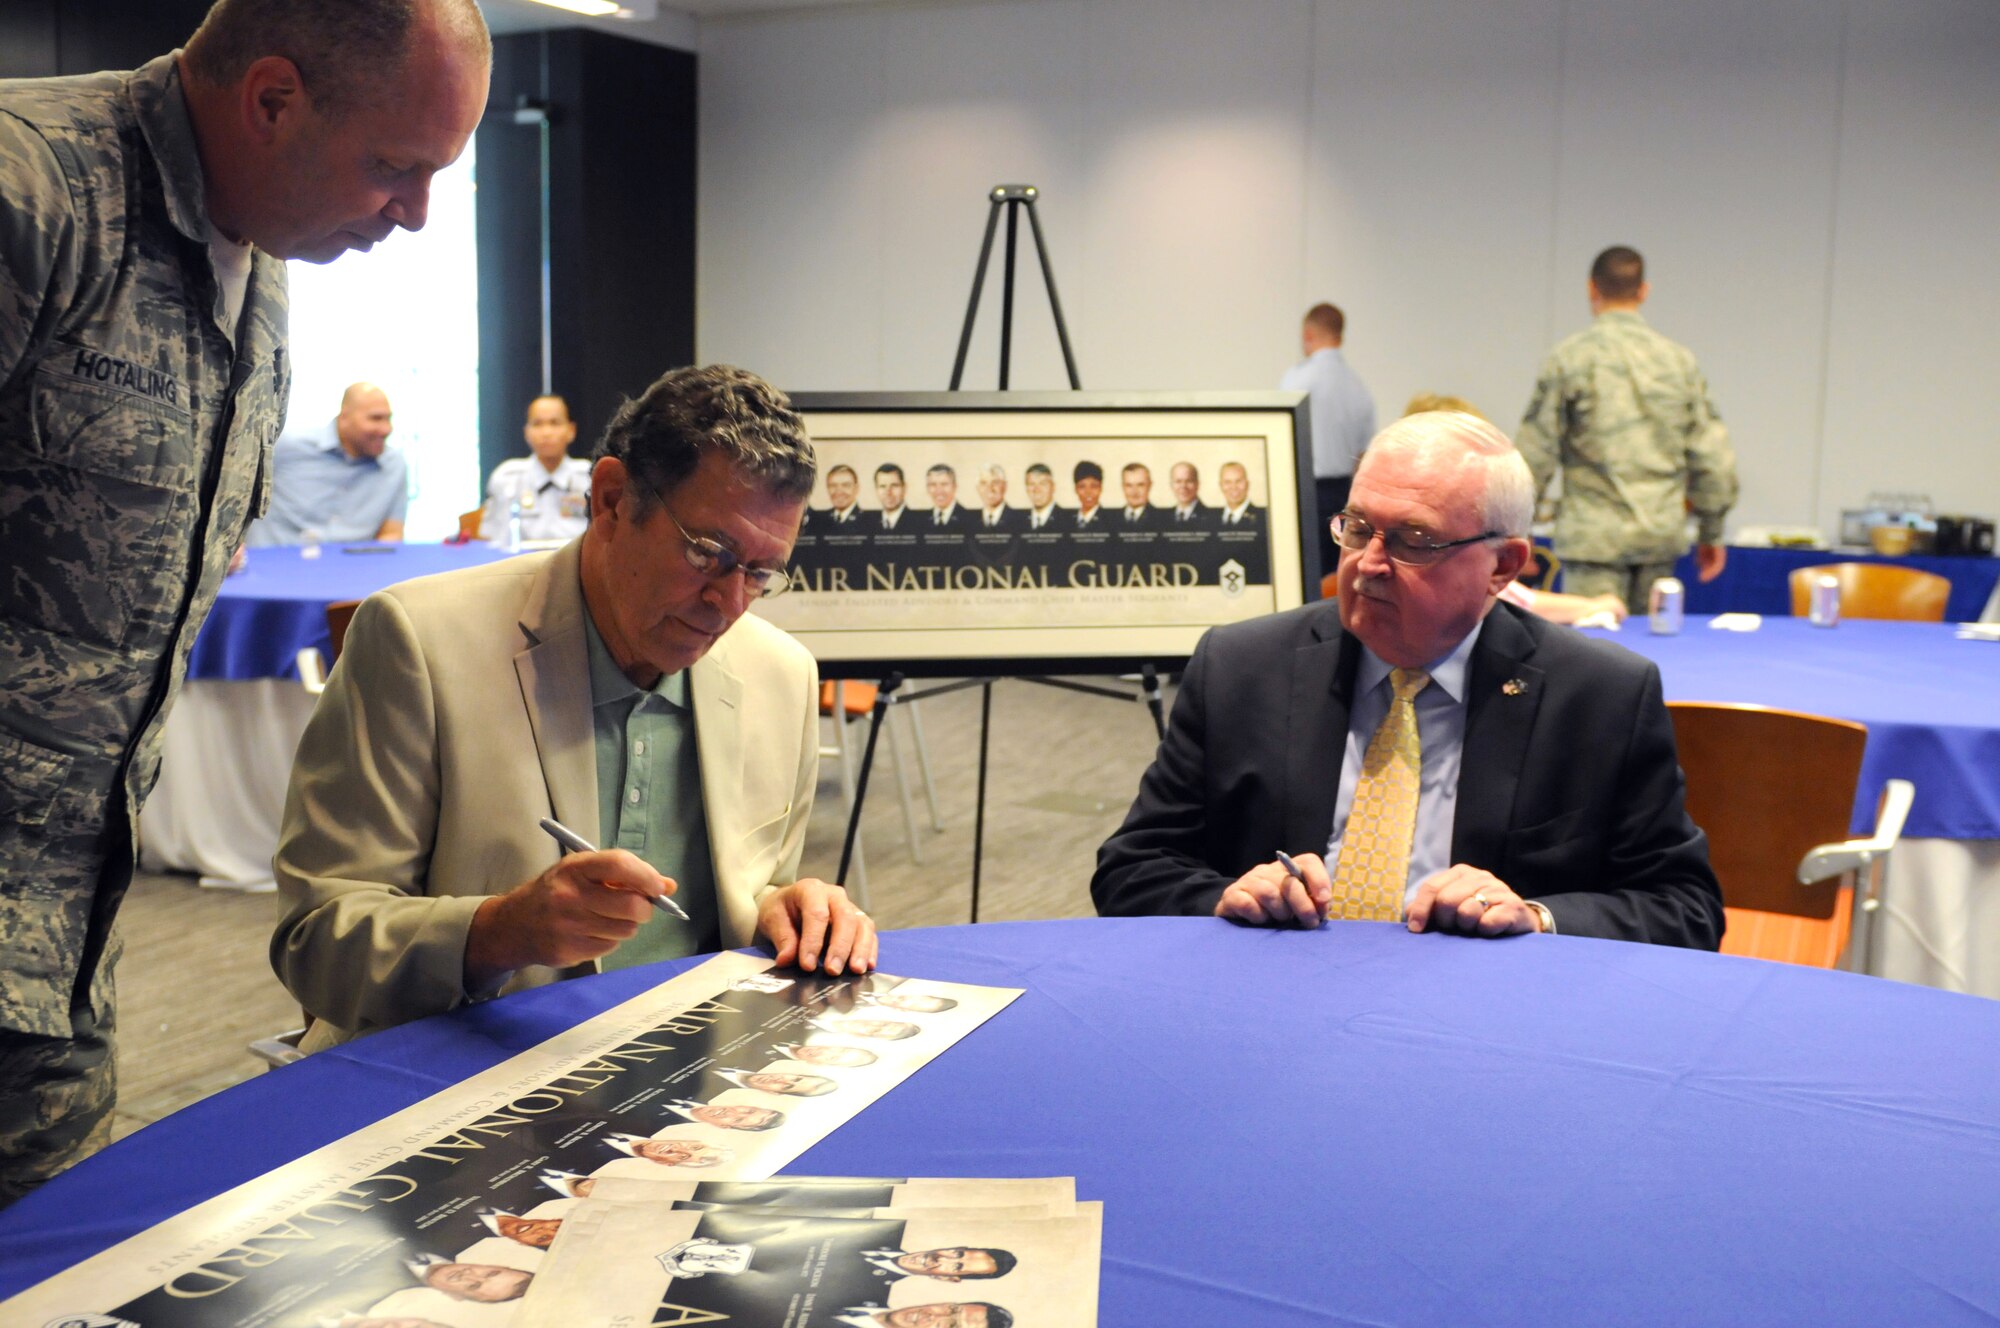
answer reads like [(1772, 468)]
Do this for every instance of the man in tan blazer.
[(467, 706)]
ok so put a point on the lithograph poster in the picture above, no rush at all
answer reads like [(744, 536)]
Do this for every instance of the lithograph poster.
[(989, 534), (726, 1072), (620, 1264)]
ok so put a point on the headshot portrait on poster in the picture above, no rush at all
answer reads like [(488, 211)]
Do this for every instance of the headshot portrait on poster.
[(1044, 528)]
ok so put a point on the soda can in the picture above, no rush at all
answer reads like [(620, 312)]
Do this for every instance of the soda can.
[(1666, 606), (1825, 610)]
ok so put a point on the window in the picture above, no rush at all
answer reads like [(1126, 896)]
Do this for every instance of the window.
[(404, 317)]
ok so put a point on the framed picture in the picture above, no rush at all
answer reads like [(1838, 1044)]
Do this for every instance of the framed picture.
[(955, 532)]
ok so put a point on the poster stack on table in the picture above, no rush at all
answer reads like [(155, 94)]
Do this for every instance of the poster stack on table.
[(802, 1252), (617, 1174)]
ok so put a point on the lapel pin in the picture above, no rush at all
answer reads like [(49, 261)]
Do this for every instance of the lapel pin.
[(1513, 687)]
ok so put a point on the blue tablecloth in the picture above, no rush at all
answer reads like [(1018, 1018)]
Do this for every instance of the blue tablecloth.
[(1758, 580), (1931, 703), (1348, 1126), (276, 606)]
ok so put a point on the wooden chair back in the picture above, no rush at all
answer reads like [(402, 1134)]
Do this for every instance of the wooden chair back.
[(1766, 786), (1544, 570), (1875, 590), (468, 523), (338, 615)]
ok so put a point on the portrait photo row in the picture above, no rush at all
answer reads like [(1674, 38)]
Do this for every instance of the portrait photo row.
[(943, 526)]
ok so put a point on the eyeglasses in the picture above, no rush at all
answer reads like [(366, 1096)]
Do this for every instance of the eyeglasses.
[(714, 560), (1351, 532)]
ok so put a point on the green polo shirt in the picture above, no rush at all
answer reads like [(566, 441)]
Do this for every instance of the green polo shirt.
[(649, 801)]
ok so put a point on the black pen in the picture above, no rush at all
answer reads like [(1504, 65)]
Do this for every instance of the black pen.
[(575, 843)]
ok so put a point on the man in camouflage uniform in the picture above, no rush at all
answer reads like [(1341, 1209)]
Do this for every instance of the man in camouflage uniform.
[(1626, 414), (142, 381)]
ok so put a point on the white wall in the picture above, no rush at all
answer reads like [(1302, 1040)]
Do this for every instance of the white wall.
[(1816, 187), (403, 316)]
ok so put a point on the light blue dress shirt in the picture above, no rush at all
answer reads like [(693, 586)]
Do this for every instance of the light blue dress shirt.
[(317, 486), (1440, 732), (1343, 414)]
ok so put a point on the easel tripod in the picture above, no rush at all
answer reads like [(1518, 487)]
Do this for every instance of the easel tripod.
[(1014, 199)]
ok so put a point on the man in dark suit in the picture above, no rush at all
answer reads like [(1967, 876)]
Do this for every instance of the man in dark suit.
[(1138, 513), (889, 486), (843, 511), (1237, 509), (1042, 513), (1188, 511), (1425, 754), (941, 483), (994, 516)]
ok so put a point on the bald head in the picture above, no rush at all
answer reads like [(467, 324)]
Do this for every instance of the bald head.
[(364, 422), (349, 54), (320, 125)]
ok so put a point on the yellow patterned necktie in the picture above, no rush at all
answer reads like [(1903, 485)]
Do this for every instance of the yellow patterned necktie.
[(1375, 849)]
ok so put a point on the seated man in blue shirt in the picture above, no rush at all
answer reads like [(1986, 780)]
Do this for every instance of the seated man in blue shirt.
[(343, 482), (1424, 753)]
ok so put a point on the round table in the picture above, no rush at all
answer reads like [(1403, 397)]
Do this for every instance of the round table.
[(1353, 1125), (1758, 580), (1933, 717), (276, 606), (1929, 700), (230, 737)]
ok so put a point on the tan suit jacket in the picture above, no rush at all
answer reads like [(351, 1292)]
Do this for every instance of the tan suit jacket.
[(458, 716)]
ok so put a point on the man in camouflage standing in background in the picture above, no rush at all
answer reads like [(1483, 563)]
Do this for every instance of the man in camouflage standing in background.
[(1625, 413), (143, 220)]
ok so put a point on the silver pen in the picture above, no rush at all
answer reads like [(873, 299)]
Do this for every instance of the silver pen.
[(573, 842), (1296, 873)]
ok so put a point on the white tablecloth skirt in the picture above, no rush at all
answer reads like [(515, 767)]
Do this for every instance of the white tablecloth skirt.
[(1940, 926), (223, 771)]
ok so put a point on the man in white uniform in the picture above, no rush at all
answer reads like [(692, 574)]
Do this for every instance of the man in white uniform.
[(551, 487)]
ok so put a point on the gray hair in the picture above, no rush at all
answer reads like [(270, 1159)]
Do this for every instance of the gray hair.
[(1507, 496), (347, 52), (687, 413), (993, 470)]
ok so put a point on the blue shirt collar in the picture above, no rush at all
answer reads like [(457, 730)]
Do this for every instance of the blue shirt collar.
[(1449, 673), (327, 439)]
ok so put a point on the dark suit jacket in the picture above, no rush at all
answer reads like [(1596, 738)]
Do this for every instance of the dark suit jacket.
[(962, 520), (820, 520), (1012, 520), (1150, 518), (1568, 786)]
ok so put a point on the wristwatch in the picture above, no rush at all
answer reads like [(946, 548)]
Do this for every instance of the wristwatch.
[(1542, 915)]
